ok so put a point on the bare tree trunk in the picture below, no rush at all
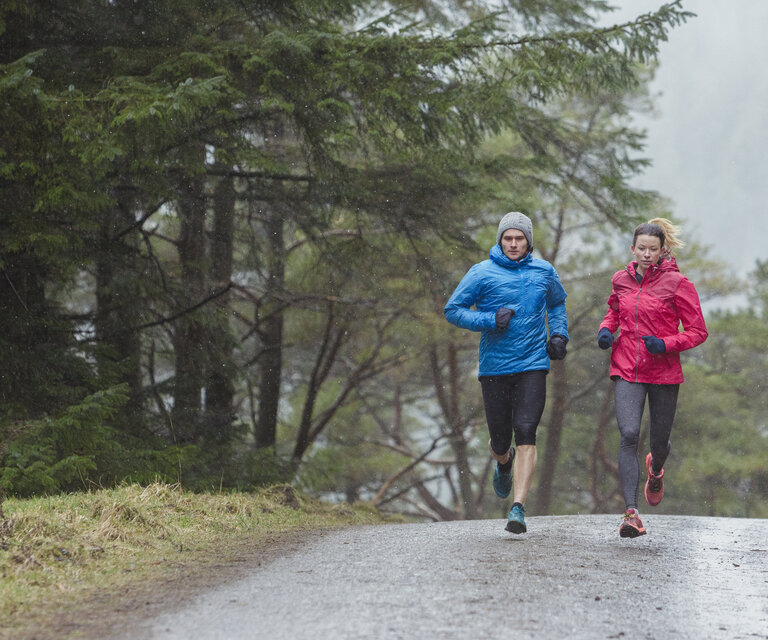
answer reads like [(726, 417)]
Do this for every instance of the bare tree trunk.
[(458, 439), (34, 340), (448, 394), (326, 356), (313, 425), (219, 387), (601, 460), (270, 363), (118, 305), (442, 513), (190, 334), (559, 377)]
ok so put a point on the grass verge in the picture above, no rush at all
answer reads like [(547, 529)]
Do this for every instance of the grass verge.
[(65, 559)]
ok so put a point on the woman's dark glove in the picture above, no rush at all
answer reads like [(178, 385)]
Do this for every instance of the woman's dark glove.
[(654, 344), (556, 347), (604, 338), (503, 316)]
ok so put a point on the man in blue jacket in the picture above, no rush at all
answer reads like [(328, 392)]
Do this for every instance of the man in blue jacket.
[(515, 296)]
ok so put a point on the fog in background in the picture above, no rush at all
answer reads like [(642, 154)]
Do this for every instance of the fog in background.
[(709, 137)]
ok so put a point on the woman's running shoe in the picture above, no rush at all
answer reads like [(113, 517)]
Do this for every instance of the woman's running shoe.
[(516, 519), (631, 527), (654, 485)]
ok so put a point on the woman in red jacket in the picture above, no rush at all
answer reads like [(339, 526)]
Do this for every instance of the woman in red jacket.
[(649, 302)]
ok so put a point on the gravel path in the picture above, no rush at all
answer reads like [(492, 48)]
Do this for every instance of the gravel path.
[(569, 577)]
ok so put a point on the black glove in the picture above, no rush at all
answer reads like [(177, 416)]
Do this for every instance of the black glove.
[(604, 338), (503, 316), (654, 344), (556, 347)]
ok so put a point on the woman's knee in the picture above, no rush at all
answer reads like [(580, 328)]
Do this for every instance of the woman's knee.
[(629, 443)]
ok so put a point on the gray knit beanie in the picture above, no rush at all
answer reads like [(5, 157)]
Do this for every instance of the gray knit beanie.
[(516, 220)]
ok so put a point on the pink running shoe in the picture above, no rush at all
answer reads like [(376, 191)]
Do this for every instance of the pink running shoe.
[(631, 527), (654, 485)]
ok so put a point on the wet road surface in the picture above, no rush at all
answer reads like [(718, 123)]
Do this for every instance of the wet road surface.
[(569, 577)]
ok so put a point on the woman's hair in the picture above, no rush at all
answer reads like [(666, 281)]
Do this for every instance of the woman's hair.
[(667, 232)]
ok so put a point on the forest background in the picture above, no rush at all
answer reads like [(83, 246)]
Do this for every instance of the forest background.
[(228, 230)]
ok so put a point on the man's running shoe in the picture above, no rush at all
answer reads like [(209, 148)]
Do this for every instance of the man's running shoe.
[(502, 482), (516, 519), (631, 527), (654, 485)]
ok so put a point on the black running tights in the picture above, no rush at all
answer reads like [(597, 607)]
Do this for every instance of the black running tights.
[(513, 405), (629, 399)]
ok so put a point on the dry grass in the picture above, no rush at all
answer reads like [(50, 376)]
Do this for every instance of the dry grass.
[(58, 552)]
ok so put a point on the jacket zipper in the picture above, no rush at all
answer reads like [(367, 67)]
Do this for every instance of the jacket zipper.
[(637, 333), (647, 274), (637, 324)]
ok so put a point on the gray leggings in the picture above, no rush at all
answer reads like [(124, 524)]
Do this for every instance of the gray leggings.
[(629, 398)]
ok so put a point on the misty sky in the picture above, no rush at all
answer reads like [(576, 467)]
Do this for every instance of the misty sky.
[(709, 140)]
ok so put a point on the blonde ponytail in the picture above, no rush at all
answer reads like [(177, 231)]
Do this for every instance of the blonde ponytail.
[(672, 239)]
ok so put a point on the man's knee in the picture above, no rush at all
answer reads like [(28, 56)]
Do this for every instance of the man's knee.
[(501, 458), (525, 435)]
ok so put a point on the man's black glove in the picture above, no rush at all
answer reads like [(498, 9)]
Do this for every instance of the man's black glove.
[(604, 338), (556, 347), (654, 344), (503, 316)]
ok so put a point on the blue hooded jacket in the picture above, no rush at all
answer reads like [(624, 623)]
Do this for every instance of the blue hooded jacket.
[(532, 289)]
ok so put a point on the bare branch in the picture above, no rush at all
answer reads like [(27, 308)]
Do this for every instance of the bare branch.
[(390, 481)]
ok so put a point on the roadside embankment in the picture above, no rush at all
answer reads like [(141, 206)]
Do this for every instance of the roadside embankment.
[(70, 562)]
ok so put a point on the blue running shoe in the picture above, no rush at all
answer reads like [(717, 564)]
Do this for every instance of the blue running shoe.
[(516, 519), (502, 482)]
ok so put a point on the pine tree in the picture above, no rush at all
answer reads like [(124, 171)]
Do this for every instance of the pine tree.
[(122, 121)]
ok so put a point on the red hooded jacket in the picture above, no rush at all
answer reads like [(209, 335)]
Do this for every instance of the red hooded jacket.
[(656, 307)]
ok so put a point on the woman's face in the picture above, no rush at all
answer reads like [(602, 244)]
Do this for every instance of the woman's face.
[(647, 251)]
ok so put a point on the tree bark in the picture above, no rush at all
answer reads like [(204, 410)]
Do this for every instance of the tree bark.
[(329, 349), (448, 393), (189, 333), (270, 363), (458, 439), (118, 305), (23, 333), (219, 386), (40, 371), (601, 460)]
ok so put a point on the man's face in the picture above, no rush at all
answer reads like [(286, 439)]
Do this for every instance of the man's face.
[(513, 244)]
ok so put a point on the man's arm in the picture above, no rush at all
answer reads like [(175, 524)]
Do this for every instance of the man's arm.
[(458, 309), (556, 314)]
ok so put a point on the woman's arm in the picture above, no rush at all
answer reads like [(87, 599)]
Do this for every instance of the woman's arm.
[(689, 311)]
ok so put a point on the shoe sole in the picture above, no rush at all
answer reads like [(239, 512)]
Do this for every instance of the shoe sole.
[(516, 527), (631, 532)]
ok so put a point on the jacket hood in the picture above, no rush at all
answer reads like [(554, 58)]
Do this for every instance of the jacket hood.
[(666, 264), (497, 255), (670, 262)]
